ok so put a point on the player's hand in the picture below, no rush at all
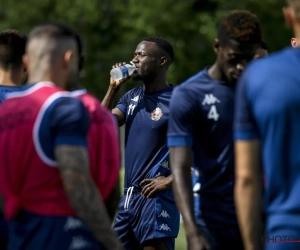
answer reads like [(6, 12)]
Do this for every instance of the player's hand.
[(155, 185), (118, 83), (198, 243)]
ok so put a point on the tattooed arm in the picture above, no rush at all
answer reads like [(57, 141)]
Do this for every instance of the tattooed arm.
[(83, 195), (70, 124)]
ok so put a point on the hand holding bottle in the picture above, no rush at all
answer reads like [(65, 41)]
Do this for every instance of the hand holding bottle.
[(120, 73)]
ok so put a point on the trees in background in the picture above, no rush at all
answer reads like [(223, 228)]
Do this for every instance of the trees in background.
[(111, 29)]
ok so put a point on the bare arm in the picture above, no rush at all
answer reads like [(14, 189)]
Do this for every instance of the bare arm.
[(83, 195), (110, 96), (181, 161), (108, 103), (112, 201), (248, 192)]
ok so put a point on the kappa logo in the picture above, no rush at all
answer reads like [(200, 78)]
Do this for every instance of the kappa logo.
[(72, 223), (78, 243), (135, 99), (165, 164), (164, 227), (210, 99), (164, 214), (156, 114)]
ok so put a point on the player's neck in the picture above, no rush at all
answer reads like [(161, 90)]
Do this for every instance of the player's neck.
[(156, 84), (216, 73), (9, 78), (36, 76)]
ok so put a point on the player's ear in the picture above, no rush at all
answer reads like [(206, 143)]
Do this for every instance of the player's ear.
[(67, 60), (163, 61), (294, 42), (216, 45)]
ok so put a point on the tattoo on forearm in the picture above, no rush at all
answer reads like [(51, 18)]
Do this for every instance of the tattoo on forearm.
[(83, 194)]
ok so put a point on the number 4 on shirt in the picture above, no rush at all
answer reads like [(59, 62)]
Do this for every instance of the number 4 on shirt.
[(213, 114)]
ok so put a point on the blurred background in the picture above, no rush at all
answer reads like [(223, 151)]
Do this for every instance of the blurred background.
[(111, 30)]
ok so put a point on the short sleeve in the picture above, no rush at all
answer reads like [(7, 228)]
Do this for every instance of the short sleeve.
[(69, 122), (123, 103), (181, 119), (245, 127)]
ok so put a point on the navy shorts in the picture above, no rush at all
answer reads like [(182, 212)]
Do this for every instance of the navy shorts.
[(29, 231), (145, 220), (282, 239)]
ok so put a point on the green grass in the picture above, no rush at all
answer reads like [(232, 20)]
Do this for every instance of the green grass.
[(180, 241)]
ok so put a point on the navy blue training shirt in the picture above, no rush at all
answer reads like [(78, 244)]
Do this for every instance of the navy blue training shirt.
[(146, 151), (268, 108), (201, 117)]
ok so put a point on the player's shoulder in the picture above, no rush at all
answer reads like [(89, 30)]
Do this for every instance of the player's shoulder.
[(64, 110), (198, 81), (87, 98), (193, 85), (40, 89), (275, 63), (134, 92)]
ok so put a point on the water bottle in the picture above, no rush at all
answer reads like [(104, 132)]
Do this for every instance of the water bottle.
[(122, 72)]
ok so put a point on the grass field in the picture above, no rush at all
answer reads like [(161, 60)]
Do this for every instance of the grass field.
[(180, 241)]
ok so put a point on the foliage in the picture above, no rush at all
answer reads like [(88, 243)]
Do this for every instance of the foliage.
[(111, 29)]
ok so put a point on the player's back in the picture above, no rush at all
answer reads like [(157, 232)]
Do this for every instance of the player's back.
[(103, 141), (25, 175), (273, 90), (33, 122), (210, 106)]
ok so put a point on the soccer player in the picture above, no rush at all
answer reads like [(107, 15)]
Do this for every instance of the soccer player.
[(294, 42), (267, 127), (103, 142), (262, 50), (147, 217), (51, 201), (12, 71), (200, 132), (12, 74)]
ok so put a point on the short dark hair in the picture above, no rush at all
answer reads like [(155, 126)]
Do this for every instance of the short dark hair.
[(12, 49), (263, 45), (163, 44), (59, 30), (52, 29), (241, 26)]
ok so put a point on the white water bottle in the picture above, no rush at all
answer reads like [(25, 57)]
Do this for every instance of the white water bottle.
[(122, 72)]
